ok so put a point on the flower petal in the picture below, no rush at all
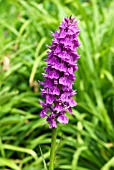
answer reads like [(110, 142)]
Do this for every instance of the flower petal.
[(62, 119)]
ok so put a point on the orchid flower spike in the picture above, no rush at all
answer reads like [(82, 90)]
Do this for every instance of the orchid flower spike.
[(59, 74)]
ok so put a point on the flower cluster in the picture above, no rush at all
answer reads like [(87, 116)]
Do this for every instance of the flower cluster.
[(59, 73)]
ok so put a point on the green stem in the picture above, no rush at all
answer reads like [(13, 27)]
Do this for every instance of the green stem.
[(53, 145)]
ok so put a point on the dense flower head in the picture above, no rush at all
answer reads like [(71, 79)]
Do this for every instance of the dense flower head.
[(59, 74)]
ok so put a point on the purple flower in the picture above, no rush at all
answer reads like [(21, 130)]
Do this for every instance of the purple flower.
[(62, 119), (51, 120), (59, 74)]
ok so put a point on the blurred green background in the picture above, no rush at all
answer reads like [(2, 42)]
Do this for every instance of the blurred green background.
[(87, 142)]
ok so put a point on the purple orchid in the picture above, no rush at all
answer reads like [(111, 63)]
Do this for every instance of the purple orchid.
[(59, 74)]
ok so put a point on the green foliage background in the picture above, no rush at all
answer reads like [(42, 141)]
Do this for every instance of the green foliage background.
[(87, 142)]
